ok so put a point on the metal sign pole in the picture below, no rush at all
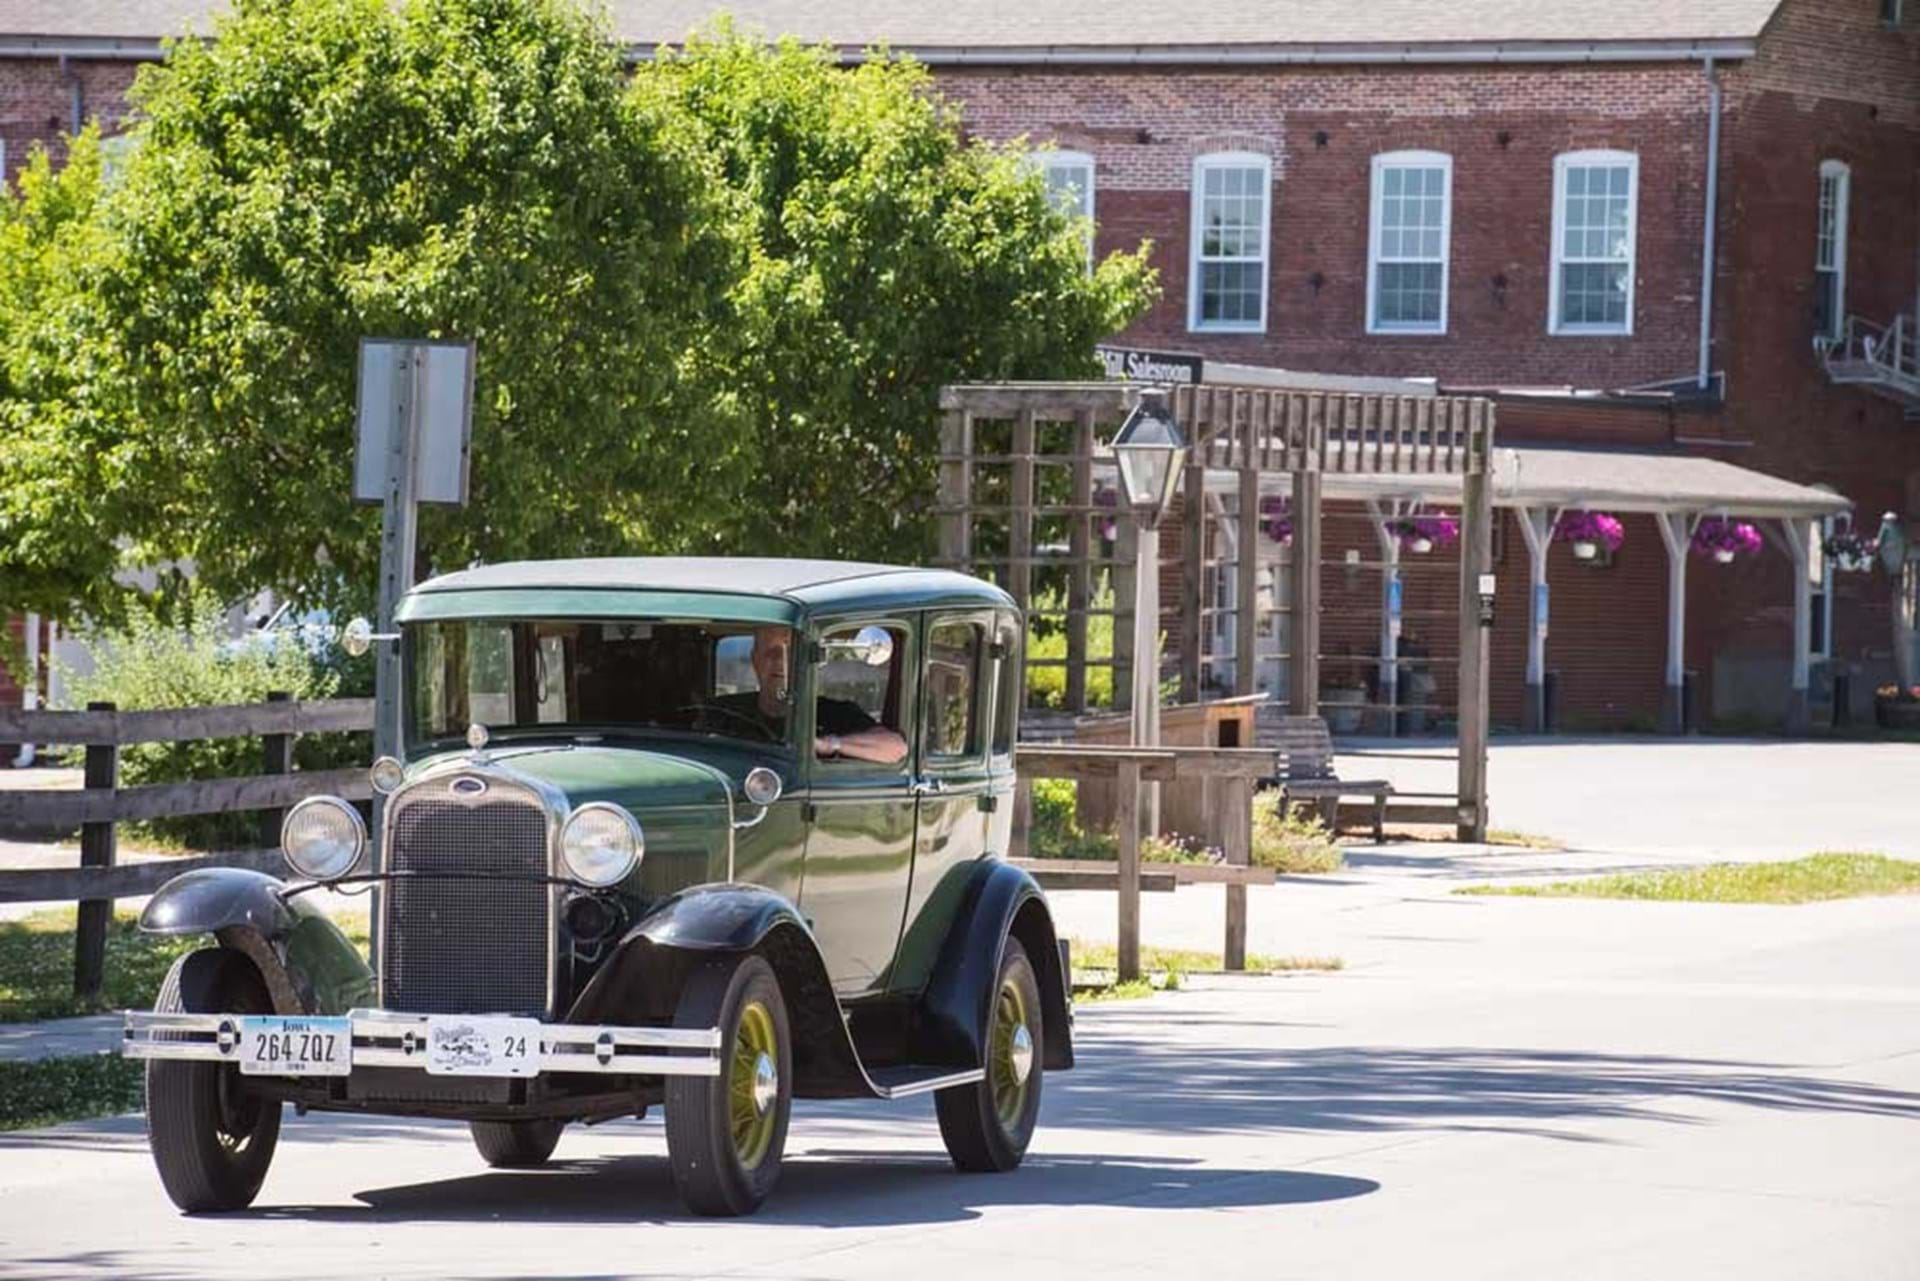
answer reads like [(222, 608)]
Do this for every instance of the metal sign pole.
[(399, 535)]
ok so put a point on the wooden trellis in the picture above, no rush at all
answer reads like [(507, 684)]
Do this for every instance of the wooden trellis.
[(1238, 436)]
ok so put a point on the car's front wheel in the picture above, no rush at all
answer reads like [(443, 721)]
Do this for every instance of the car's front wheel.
[(726, 1133), (988, 1125), (212, 1139), (515, 1145)]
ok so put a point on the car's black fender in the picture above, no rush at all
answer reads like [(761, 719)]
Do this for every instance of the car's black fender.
[(1002, 902), (308, 965), (642, 979)]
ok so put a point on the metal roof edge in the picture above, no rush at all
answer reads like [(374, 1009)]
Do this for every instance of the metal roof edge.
[(1402, 54), (93, 48)]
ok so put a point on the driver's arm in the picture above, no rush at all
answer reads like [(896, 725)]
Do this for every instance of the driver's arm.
[(849, 733)]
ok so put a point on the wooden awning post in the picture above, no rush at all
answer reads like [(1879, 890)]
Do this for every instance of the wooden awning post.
[(1798, 533), (1476, 630), (1676, 529), (1536, 526)]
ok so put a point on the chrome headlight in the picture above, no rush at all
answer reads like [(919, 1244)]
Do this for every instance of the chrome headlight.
[(601, 844), (323, 837)]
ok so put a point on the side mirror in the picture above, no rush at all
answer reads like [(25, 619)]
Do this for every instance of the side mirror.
[(870, 645), (358, 636)]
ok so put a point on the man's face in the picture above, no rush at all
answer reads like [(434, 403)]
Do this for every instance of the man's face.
[(772, 652)]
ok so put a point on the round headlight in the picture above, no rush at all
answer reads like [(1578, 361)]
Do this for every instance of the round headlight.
[(323, 837), (601, 844), (387, 775)]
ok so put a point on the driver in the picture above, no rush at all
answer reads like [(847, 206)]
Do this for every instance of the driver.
[(841, 729)]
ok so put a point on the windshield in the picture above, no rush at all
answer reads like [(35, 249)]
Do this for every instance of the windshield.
[(569, 676)]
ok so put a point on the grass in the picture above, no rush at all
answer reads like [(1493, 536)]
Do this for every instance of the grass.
[(1523, 840), (1812, 879), (35, 1092), (1292, 844), (36, 965), (1174, 960)]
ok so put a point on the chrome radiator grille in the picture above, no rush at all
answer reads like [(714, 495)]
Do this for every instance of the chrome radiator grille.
[(458, 941)]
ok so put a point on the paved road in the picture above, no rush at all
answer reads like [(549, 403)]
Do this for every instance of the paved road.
[(1492, 1089)]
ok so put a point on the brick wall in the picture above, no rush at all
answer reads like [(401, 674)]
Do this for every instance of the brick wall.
[(1322, 127), (37, 100)]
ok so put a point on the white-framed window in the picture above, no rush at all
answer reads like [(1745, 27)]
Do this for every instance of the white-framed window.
[(1892, 12), (114, 153), (1228, 263), (1069, 179), (1830, 249), (1408, 231), (1594, 197)]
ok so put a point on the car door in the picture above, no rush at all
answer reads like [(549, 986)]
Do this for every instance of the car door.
[(860, 814), (955, 789)]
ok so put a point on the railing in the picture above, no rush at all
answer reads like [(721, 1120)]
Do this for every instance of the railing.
[(1232, 771), (1892, 350), (102, 803)]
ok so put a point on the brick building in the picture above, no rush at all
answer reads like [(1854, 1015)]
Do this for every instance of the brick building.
[(1515, 199)]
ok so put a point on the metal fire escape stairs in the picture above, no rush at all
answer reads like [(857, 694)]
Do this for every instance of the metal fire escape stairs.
[(1882, 359)]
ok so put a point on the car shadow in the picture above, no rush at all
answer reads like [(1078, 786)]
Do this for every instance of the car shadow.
[(832, 1188)]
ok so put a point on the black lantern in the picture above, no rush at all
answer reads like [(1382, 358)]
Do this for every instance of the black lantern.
[(1150, 450)]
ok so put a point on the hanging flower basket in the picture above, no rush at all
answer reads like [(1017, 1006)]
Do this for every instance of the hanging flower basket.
[(1108, 526), (1588, 532), (1421, 534), (1726, 540), (1276, 518), (1850, 552)]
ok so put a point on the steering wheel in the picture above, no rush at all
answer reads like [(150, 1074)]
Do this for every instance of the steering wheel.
[(738, 717)]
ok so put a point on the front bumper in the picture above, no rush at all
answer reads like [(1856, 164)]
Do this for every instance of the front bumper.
[(383, 1038)]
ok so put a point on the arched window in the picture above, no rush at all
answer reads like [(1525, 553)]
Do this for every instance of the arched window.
[(1231, 215), (1594, 198), (1408, 230), (1830, 249)]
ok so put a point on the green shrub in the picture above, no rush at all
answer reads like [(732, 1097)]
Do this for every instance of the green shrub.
[(1047, 639), (151, 664), (1055, 832), (36, 1092), (1292, 842)]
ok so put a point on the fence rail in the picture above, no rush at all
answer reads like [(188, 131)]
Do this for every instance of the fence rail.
[(102, 804)]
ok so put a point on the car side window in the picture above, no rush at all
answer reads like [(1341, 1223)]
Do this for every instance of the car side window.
[(853, 696), (953, 681), (1006, 716)]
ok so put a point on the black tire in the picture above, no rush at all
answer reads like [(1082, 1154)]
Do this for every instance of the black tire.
[(987, 1125), (704, 1133), (515, 1145), (211, 1141)]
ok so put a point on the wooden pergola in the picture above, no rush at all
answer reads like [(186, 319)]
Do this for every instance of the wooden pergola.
[(1017, 455)]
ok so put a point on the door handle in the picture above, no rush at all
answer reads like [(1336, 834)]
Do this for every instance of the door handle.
[(929, 787)]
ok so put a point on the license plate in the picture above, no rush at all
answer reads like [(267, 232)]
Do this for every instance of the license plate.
[(271, 1046), (462, 1045)]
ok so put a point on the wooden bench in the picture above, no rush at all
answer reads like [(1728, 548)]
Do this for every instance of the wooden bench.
[(1304, 773)]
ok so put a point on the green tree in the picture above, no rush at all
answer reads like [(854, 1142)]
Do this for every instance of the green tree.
[(326, 169), (886, 256)]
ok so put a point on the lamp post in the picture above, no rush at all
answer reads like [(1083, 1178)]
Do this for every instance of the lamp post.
[(1149, 449)]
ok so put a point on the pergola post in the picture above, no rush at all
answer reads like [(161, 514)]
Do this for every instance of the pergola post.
[(1303, 621), (1389, 612), (1797, 531), (1676, 528), (1536, 526), (1476, 630)]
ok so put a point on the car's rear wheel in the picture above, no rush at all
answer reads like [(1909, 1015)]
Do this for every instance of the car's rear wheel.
[(726, 1133), (212, 1139), (988, 1125), (515, 1145)]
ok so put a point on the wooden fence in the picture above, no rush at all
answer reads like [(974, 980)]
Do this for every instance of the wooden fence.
[(1232, 773), (102, 802)]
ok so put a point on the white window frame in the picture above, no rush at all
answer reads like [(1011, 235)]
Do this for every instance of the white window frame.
[(1581, 159), (1408, 160), (1078, 160), (1842, 173), (1229, 160)]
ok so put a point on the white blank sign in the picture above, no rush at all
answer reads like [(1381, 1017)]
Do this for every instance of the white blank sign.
[(445, 416)]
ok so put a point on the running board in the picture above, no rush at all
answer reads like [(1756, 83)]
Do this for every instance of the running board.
[(901, 1082)]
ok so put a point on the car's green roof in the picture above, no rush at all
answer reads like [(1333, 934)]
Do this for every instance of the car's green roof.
[(761, 589)]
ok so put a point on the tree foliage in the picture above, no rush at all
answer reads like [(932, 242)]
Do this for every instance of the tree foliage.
[(713, 300)]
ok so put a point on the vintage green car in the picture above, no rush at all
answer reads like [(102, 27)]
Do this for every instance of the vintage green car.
[(713, 834)]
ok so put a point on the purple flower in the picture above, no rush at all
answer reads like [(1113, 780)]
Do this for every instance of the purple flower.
[(1590, 527), (1725, 538), (1434, 530), (1109, 526), (1276, 517)]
